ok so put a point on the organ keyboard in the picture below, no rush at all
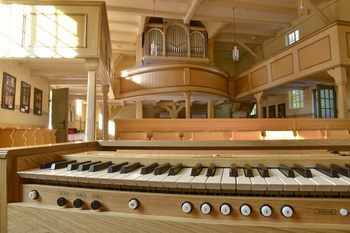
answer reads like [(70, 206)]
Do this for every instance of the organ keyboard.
[(191, 188)]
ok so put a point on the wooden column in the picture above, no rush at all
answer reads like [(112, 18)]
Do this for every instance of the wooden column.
[(91, 66), (105, 114), (211, 112), (187, 95), (139, 109), (258, 97), (339, 75), (211, 51), (139, 50), (3, 195)]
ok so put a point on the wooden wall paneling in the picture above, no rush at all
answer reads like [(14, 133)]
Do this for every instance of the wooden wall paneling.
[(242, 84), (259, 77), (315, 53), (52, 135), (46, 135), (282, 67)]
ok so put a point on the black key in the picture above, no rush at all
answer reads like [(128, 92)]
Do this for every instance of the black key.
[(341, 169), (248, 172), (62, 164), (99, 166), (233, 170), (116, 167), (263, 171), (175, 169), (161, 168), (331, 172), (196, 169), (149, 168), (86, 166), (286, 170), (305, 172), (48, 164), (130, 167), (75, 166), (211, 170)]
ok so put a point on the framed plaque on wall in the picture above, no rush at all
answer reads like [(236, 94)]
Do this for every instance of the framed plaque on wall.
[(38, 101), (8, 91)]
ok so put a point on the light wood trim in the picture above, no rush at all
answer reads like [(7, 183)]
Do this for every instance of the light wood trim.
[(46, 218), (282, 67)]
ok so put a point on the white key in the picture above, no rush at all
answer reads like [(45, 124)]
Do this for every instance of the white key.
[(322, 184), (274, 183), (289, 184), (199, 182), (214, 182), (242, 182), (227, 182), (305, 183), (95, 176), (157, 181), (170, 181), (49, 174), (345, 179), (131, 180), (118, 180), (106, 178), (73, 177), (185, 180), (338, 184), (29, 173), (63, 175), (143, 180), (258, 182)]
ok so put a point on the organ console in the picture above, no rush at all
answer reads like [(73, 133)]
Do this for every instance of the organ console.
[(180, 186)]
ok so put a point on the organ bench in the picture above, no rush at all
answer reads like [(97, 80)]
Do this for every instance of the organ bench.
[(177, 186)]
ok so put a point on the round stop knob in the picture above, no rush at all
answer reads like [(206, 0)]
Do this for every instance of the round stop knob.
[(61, 201), (78, 203), (95, 205)]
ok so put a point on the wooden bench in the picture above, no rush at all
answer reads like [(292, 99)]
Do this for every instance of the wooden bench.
[(199, 136), (309, 134), (247, 135), (337, 134), (133, 136), (279, 134), (171, 136)]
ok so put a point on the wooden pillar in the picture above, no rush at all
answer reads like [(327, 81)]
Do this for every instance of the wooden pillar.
[(105, 89), (187, 95), (211, 112), (3, 195), (339, 75), (139, 50), (211, 51), (258, 97), (139, 109), (91, 66)]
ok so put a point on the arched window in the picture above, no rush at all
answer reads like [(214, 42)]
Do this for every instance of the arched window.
[(197, 44), (155, 42), (176, 41)]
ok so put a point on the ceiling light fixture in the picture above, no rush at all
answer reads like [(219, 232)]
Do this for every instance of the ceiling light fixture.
[(235, 51)]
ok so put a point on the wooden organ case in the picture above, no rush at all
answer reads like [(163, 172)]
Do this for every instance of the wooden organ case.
[(164, 186)]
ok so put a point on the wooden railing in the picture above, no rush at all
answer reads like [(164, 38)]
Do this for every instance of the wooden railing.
[(172, 77)]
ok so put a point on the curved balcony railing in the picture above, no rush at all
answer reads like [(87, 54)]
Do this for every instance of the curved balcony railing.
[(171, 77)]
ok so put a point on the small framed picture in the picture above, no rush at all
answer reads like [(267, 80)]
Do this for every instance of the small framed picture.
[(25, 97), (38, 101), (272, 111), (8, 91), (282, 111)]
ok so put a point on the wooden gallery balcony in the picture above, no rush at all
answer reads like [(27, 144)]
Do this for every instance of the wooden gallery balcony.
[(152, 81)]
